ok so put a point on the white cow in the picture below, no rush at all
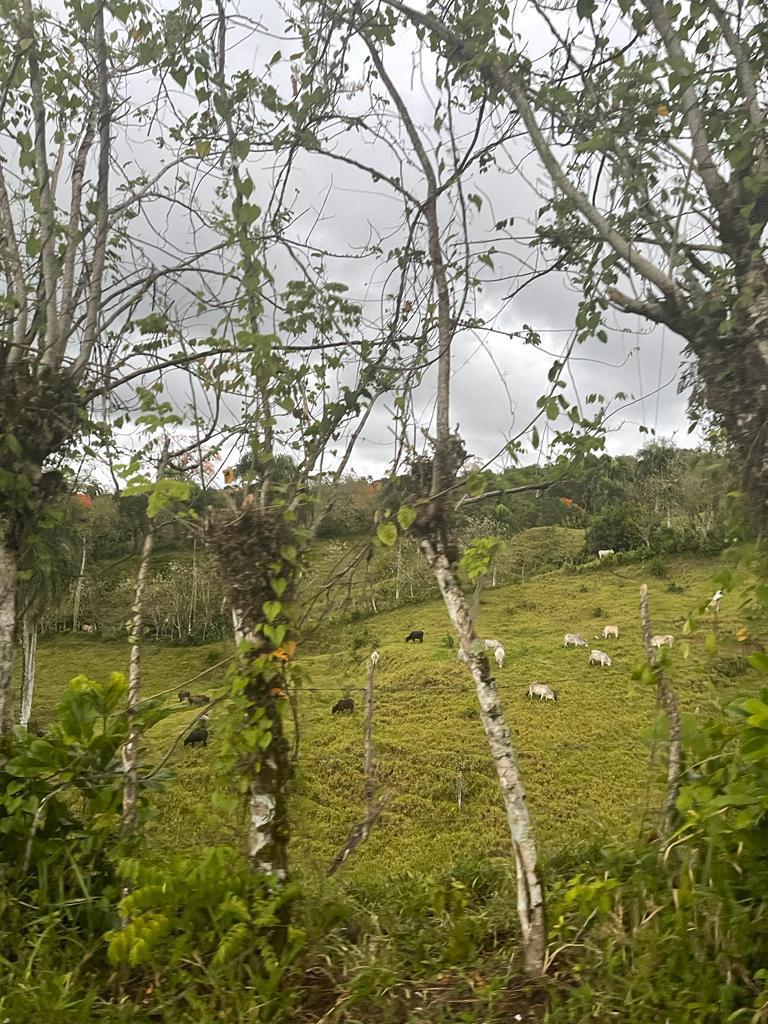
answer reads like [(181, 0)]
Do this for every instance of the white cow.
[(574, 640), (662, 641), (605, 553), (610, 631), (375, 658), (714, 601), (500, 654), (542, 691), (599, 658), (491, 645), (88, 628)]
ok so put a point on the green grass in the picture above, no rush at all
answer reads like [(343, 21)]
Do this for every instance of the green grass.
[(585, 761)]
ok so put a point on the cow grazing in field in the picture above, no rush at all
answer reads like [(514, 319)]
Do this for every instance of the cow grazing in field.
[(491, 645), (195, 737), (713, 606), (542, 691), (184, 695), (375, 658), (87, 628), (344, 706), (612, 631), (500, 654), (199, 700), (662, 641), (574, 640), (414, 636), (605, 553), (599, 658)]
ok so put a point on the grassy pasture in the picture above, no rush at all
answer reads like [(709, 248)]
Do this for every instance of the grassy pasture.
[(585, 760)]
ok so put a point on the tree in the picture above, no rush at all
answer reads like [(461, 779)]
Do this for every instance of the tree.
[(50, 564), (650, 124), (439, 268), (77, 274)]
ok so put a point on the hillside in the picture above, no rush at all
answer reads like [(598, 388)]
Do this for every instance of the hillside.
[(586, 760)]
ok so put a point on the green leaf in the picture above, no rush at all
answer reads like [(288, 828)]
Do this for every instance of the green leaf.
[(203, 147), (271, 610), (275, 633), (585, 8), (279, 586), (710, 643), (387, 534), (759, 660), (535, 439), (289, 553), (406, 517)]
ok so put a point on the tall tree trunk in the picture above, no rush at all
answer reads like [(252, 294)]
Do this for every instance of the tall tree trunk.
[(530, 893), (79, 591), (668, 700), (270, 770), (29, 641), (131, 748), (7, 636)]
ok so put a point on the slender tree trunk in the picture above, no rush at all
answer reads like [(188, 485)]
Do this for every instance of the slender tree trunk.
[(131, 748), (7, 636), (372, 808), (193, 602), (29, 635), (369, 785), (79, 592), (668, 700), (268, 830), (398, 564), (530, 893)]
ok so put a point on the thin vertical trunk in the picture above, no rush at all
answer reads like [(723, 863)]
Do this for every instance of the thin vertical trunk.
[(29, 640), (530, 896), (369, 785), (372, 808), (131, 748), (668, 700), (193, 602), (7, 636), (79, 592), (530, 893), (398, 565)]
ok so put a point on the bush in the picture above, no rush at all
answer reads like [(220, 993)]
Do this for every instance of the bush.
[(657, 567)]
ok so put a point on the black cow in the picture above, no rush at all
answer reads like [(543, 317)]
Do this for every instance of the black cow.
[(414, 635), (346, 704), (197, 736), (183, 695), (198, 701)]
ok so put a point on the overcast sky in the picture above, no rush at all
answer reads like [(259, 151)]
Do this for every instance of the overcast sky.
[(496, 378)]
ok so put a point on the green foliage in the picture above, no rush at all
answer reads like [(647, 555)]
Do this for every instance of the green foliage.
[(478, 556), (209, 910), (67, 783)]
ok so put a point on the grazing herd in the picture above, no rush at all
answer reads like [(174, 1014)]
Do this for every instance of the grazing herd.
[(346, 706)]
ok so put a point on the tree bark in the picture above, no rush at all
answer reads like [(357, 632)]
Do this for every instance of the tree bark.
[(79, 592), (131, 748), (7, 636), (530, 893), (29, 634), (668, 700)]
